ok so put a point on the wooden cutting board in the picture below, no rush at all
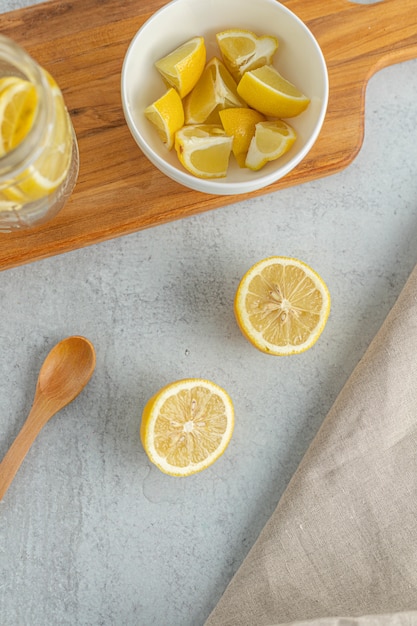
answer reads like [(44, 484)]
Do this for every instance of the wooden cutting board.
[(83, 43)]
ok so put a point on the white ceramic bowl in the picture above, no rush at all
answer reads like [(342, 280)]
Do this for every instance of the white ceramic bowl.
[(299, 59)]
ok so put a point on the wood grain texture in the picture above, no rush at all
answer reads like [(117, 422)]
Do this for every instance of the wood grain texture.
[(83, 43)]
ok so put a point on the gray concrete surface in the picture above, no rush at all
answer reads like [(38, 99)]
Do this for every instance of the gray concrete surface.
[(90, 532)]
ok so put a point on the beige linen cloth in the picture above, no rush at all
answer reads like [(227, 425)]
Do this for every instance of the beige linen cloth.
[(341, 547)]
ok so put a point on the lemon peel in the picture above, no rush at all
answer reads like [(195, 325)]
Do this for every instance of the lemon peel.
[(267, 91)]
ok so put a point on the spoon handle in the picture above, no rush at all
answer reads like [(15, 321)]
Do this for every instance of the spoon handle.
[(21, 445)]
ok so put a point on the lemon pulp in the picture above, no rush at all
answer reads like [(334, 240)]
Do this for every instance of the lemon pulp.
[(204, 150), (282, 305), (187, 426), (50, 168), (242, 50)]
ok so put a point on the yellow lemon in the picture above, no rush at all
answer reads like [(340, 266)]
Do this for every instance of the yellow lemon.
[(215, 90), (204, 150), (240, 124), (243, 50), (7, 81), (282, 305), (167, 115), (270, 141), (50, 169), (187, 426), (182, 67), (18, 104), (267, 91)]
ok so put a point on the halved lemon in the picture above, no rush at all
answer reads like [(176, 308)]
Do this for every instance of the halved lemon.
[(187, 426), (243, 50), (167, 115), (215, 90), (270, 141), (182, 67), (240, 123), (267, 91), (204, 150), (282, 306), (18, 104)]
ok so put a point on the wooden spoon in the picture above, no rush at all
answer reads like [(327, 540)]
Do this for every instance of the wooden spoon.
[(63, 375)]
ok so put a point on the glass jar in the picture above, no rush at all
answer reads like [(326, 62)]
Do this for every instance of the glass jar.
[(38, 147)]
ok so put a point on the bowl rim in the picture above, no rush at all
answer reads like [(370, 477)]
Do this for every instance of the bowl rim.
[(222, 186)]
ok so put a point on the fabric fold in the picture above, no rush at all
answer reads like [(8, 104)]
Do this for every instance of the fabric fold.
[(343, 538)]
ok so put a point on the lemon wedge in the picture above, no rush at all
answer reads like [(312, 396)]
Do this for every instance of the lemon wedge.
[(167, 115), (242, 50), (270, 141), (282, 306), (240, 123), (187, 426), (182, 67), (204, 150), (215, 90), (267, 91)]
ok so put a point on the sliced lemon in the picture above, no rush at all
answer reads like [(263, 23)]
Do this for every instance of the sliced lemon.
[(242, 50), (7, 81), (204, 150), (18, 104), (240, 124), (267, 91), (215, 90), (182, 67), (270, 141), (282, 305), (50, 169), (187, 426), (167, 115)]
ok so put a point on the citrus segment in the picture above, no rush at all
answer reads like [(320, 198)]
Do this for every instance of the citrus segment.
[(18, 104), (50, 169), (167, 115), (240, 124), (267, 91), (182, 67), (204, 150), (282, 305), (242, 50), (270, 141), (187, 426), (7, 81), (215, 90)]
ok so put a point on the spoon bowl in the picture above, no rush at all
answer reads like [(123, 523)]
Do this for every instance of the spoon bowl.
[(65, 372)]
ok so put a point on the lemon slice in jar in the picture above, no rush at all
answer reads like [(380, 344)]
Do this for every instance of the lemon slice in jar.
[(50, 169), (18, 103)]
